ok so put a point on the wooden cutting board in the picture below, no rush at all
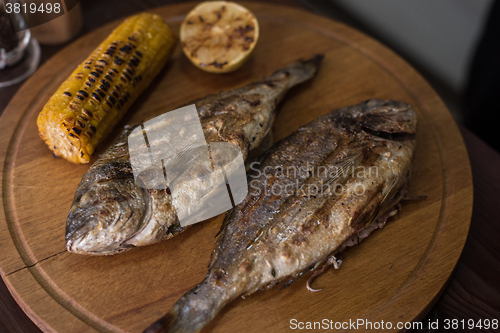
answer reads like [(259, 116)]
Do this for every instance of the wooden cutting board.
[(395, 275)]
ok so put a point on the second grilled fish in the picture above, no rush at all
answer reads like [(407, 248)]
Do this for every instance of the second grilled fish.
[(334, 179), (110, 213)]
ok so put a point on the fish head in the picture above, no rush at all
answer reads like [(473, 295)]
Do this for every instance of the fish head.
[(104, 215)]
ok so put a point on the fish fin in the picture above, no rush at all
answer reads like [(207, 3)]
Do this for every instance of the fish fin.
[(343, 167), (388, 202), (389, 117), (213, 257)]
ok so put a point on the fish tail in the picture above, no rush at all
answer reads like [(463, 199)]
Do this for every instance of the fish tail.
[(300, 71), (191, 312)]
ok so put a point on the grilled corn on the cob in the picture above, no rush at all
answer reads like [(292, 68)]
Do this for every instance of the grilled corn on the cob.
[(98, 93)]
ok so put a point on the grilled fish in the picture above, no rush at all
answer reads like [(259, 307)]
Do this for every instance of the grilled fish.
[(111, 213), (336, 178)]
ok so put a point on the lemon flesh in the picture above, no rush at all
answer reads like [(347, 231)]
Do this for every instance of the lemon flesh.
[(219, 36)]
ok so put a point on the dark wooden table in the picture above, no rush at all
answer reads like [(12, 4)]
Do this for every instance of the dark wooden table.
[(474, 289)]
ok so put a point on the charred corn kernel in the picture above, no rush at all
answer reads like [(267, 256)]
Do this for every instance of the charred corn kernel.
[(97, 94)]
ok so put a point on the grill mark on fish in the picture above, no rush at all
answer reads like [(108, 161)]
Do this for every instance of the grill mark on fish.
[(241, 116), (291, 234)]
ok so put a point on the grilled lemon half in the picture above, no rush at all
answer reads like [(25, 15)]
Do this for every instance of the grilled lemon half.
[(219, 36)]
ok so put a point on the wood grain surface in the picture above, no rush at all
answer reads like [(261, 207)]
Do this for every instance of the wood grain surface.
[(395, 275)]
